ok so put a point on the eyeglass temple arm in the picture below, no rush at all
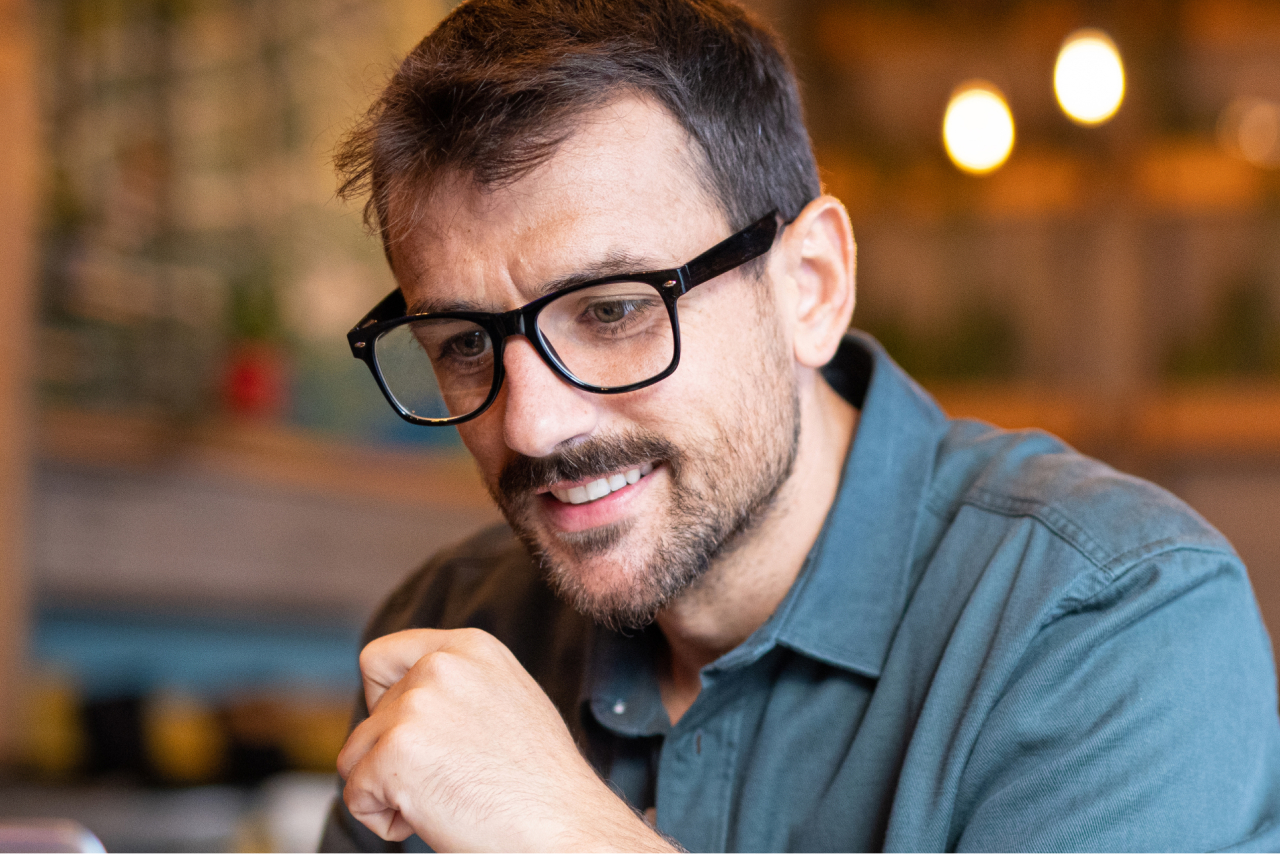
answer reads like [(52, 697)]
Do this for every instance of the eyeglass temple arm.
[(391, 307), (752, 242)]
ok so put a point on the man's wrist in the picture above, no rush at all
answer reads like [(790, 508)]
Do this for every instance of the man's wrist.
[(605, 822)]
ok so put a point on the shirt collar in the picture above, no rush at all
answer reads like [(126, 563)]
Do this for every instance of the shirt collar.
[(621, 687), (849, 598)]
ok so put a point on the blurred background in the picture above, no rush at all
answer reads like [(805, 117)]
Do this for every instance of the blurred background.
[(202, 496)]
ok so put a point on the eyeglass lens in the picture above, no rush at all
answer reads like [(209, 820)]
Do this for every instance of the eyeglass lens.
[(609, 335)]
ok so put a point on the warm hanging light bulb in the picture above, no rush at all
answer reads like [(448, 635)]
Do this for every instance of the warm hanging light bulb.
[(1089, 77), (978, 128)]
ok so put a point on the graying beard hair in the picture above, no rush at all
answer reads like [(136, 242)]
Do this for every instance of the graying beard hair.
[(680, 560), (696, 539)]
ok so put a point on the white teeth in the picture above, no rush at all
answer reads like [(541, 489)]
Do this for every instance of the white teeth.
[(601, 487)]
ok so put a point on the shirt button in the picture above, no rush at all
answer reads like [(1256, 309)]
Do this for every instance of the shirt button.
[(619, 708)]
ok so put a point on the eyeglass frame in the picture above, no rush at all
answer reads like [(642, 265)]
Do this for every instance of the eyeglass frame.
[(735, 250)]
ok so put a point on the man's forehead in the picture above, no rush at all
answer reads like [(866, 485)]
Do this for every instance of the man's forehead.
[(427, 298), (616, 197), (458, 248)]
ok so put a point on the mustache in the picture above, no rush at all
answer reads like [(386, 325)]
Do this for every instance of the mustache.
[(589, 459)]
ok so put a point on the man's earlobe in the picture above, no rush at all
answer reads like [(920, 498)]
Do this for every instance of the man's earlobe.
[(822, 260)]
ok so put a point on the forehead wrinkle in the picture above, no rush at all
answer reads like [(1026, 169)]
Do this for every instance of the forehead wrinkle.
[(615, 262), (453, 198)]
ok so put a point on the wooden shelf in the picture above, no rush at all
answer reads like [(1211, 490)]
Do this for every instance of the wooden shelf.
[(263, 453), (1212, 421), (1202, 421)]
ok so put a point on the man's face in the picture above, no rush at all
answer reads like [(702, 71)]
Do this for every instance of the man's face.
[(688, 465)]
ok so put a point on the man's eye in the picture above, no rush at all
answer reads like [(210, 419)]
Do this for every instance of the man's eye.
[(467, 346), (611, 312)]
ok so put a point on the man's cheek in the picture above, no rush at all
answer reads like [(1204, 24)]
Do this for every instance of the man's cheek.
[(486, 447)]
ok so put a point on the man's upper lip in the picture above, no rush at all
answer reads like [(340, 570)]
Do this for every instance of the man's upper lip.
[(570, 484)]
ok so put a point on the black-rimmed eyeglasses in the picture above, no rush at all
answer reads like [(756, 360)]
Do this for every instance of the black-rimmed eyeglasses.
[(608, 336)]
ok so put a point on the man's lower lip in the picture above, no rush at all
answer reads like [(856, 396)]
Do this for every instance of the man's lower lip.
[(570, 518)]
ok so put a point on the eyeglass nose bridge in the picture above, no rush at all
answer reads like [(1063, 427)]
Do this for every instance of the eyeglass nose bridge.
[(524, 322)]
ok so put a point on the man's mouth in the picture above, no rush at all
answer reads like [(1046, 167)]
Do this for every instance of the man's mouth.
[(592, 490)]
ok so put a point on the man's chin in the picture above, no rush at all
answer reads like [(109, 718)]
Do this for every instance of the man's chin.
[(594, 544), (600, 574)]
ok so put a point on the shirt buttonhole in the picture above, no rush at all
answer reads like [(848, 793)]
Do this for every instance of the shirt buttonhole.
[(697, 742)]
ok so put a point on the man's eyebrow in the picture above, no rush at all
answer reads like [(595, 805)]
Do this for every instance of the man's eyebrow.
[(614, 263), (431, 305)]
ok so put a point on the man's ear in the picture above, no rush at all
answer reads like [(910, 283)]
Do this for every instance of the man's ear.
[(821, 261)]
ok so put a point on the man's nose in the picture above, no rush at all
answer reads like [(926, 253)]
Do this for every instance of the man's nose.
[(540, 411)]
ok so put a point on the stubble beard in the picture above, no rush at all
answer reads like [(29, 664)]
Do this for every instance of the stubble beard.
[(717, 497)]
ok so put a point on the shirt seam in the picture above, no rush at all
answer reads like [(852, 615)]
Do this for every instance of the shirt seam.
[(1076, 536)]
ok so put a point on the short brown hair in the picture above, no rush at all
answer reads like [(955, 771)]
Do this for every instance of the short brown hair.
[(495, 89)]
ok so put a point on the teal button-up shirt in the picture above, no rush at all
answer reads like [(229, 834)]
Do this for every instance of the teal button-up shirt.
[(996, 643)]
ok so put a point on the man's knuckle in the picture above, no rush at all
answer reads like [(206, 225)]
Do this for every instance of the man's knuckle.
[(483, 645), (417, 702), (402, 744), (443, 667), (355, 793), (370, 655), (473, 638), (345, 764)]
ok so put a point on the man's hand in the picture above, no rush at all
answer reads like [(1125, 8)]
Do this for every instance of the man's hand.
[(463, 747)]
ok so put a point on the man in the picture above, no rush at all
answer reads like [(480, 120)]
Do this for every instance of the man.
[(757, 591)]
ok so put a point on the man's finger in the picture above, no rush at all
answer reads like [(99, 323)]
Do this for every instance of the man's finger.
[(371, 810), (385, 661), (358, 744)]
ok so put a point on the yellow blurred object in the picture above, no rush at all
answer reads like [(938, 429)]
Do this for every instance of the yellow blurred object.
[(1089, 77), (978, 128), (315, 735), (309, 728), (55, 742), (185, 742)]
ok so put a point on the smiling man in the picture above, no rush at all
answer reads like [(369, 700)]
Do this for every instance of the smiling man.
[(756, 591)]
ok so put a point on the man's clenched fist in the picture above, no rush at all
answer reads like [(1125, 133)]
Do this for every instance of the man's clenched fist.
[(463, 747)]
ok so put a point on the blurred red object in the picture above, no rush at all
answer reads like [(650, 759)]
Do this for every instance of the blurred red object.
[(256, 380)]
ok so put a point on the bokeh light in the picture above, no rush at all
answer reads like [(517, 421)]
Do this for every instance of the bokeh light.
[(978, 128), (1250, 128), (1089, 77)]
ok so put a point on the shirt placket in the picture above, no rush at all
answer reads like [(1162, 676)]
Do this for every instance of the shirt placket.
[(696, 772)]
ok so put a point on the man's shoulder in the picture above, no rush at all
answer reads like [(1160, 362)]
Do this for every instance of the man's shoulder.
[(1109, 518), (1077, 636)]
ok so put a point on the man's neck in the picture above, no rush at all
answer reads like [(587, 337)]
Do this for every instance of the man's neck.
[(744, 587)]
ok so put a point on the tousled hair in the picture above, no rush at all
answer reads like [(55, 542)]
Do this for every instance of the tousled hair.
[(494, 90)]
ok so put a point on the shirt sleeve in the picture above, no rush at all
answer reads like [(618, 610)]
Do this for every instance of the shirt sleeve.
[(1142, 719)]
